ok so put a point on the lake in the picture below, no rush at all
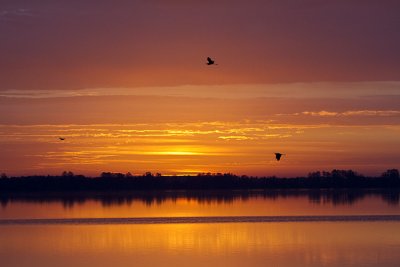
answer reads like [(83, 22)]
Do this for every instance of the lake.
[(235, 228)]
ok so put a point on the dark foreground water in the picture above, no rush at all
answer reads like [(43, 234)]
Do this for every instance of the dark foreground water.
[(342, 228)]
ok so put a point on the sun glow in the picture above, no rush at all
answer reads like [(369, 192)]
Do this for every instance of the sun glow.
[(189, 148), (176, 153)]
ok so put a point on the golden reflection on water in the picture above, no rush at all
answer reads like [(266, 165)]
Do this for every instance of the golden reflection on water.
[(192, 207), (241, 244)]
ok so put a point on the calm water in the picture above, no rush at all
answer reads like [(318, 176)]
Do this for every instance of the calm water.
[(305, 228)]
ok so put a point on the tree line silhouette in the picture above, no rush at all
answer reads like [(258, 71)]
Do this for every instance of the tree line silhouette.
[(109, 181)]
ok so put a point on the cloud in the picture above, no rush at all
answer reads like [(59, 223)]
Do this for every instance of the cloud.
[(12, 14), (311, 90), (349, 113), (322, 113), (371, 113)]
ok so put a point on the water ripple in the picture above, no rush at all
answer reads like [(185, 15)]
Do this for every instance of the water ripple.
[(196, 220)]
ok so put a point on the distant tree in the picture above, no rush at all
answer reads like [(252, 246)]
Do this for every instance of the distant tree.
[(392, 174), (148, 174), (314, 174), (338, 174), (326, 174), (344, 174), (112, 175), (203, 181), (105, 174), (119, 175), (67, 174)]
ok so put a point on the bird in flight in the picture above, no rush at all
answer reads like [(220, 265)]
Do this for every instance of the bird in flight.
[(210, 61), (61, 138), (278, 156)]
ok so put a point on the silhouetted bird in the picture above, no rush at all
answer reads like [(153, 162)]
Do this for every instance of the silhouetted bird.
[(210, 61), (278, 156), (61, 138)]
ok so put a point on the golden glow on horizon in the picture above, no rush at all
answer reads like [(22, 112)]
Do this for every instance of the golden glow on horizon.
[(181, 148), (175, 153)]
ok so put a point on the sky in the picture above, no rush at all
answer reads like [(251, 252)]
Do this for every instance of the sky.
[(125, 82)]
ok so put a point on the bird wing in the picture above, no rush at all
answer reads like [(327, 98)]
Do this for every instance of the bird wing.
[(209, 60)]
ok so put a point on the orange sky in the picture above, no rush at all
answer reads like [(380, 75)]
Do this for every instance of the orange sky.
[(128, 87), (189, 134)]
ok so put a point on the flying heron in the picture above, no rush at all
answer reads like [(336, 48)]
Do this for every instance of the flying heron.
[(210, 61), (278, 156)]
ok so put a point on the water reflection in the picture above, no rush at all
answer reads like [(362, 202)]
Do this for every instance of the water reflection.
[(321, 197), (257, 244)]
